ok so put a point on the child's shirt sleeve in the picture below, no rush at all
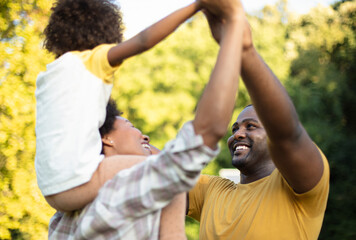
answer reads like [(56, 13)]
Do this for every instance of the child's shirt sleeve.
[(96, 61)]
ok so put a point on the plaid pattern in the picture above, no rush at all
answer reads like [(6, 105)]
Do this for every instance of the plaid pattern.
[(129, 206)]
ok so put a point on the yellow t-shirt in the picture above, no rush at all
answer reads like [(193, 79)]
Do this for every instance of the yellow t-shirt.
[(265, 209)]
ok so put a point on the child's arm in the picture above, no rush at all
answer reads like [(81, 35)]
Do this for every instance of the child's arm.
[(151, 35)]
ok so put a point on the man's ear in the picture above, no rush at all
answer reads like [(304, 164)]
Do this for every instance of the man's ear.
[(107, 141)]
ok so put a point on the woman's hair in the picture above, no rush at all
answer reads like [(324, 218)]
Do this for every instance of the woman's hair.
[(111, 113), (77, 25)]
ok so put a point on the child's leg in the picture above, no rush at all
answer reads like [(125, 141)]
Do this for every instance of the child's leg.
[(78, 197), (173, 218)]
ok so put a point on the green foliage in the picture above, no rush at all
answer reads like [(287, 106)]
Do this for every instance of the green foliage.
[(312, 54), (23, 212), (322, 85), (191, 228)]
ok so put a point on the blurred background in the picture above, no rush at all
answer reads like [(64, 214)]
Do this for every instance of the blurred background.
[(311, 47)]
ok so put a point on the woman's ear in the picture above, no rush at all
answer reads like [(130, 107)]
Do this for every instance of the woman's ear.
[(107, 141)]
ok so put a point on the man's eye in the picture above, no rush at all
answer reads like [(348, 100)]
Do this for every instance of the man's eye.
[(250, 126), (233, 130)]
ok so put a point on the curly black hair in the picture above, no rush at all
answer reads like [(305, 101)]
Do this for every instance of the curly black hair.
[(111, 113), (77, 25)]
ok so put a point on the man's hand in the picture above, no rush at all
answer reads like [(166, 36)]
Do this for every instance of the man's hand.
[(226, 9), (217, 25)]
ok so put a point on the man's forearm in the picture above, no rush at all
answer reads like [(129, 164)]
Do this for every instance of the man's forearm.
[(292, 150), (269, 97)]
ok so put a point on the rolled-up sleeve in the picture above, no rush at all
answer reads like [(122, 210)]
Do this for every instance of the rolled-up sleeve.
[(148, 186)]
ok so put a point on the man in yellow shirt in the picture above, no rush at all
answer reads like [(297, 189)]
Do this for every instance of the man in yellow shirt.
[(284, 176)]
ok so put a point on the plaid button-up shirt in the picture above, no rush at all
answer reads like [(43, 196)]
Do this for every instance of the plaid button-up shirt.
[(129, 205)]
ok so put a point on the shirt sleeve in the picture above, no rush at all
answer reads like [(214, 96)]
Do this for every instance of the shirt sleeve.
[(96, 61), (314, 201), (197, 196), (150, 185)]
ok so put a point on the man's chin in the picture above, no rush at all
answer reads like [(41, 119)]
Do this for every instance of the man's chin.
[(238, 162)]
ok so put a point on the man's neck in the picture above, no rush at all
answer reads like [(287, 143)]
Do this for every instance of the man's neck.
[(257, 175)]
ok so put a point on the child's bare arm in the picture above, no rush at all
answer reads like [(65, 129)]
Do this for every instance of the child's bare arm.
[(172, 224), (151, 35), (77, 197)]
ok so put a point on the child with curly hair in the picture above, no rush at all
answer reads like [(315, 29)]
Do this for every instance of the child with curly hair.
[(72, 94)]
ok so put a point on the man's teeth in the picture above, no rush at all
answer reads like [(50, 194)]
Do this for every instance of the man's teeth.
[(241, 148)]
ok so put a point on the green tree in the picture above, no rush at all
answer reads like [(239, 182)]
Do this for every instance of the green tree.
[(23, 211), (322, 84), (313, 55)]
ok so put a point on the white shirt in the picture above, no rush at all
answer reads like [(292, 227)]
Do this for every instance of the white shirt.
[(71, 96)]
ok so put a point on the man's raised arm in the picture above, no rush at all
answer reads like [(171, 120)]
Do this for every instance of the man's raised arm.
[(291, 149)]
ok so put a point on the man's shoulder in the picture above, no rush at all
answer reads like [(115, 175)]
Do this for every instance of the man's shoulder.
[(216, 183)]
